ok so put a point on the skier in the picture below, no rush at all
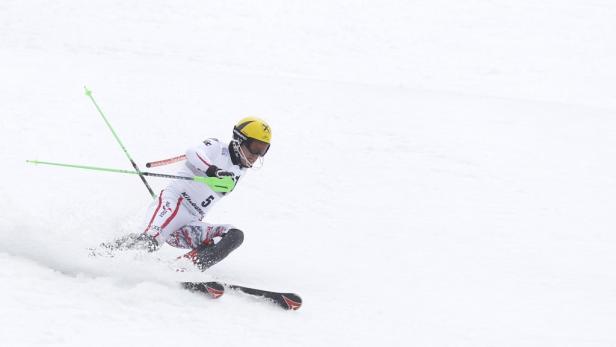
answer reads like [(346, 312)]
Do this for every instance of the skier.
[(176, 216)]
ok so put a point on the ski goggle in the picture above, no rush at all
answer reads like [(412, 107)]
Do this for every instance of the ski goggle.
[(256, 147)]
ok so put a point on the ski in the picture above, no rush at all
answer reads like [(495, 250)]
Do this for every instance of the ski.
[(287, 301), (213, 289)]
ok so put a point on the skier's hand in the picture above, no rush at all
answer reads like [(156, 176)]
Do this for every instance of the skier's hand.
[(223, 173), (214, 171)]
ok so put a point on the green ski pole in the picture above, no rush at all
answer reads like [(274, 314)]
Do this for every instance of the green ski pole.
[(222, 185), (89, 94)]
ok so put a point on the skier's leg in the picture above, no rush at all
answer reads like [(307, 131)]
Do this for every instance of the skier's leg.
[(195, 234), (166, 215), (169, 215), (211, 243), (206, 255)]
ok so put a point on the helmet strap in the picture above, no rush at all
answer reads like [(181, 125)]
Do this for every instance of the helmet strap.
[(259, 160)]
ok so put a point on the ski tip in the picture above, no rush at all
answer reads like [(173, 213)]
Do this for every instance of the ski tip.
[(293, 301), (213, 289)]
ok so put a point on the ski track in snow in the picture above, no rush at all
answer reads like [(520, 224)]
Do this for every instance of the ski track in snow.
[(441, 174)]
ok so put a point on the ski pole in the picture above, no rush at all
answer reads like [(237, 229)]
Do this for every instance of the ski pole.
[(165, 161), (89, 94), (223, 185)]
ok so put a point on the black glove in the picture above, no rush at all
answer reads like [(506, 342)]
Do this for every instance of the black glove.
[(214, 171)]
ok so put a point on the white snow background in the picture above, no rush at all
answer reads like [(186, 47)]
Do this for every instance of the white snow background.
[(441, 173)]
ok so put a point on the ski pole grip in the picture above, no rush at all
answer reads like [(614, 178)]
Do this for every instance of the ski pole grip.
[(221, 185), (166, 161)]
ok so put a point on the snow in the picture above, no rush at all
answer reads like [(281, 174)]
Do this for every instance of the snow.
[(442, 172)]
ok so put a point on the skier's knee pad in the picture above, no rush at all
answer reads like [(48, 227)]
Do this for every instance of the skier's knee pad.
[(234, 238), (208, 255), (231, 240)]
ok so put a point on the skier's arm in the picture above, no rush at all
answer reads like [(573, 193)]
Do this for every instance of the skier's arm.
[(202, 159)]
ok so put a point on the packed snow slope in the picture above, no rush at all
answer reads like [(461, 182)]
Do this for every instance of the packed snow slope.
[(442, 172)]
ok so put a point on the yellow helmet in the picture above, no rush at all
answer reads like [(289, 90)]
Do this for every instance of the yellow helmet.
[(252, 128)]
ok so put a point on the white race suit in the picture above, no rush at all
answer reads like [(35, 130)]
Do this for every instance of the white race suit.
[(176, 216)]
